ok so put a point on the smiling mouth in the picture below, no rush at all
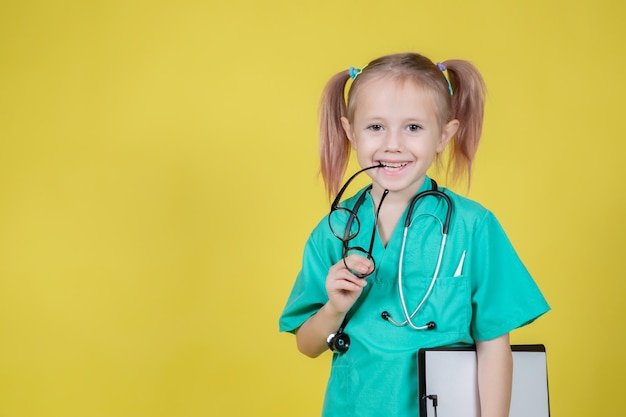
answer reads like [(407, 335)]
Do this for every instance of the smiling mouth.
[(393, 165)]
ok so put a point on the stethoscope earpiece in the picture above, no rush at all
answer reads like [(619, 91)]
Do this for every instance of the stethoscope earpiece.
[(431, 325)]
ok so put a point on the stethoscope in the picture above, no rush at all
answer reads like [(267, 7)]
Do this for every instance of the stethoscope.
[(339, 341)]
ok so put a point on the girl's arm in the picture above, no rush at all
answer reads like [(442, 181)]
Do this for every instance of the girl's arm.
[(312, 335), (495, 376), (343, 289)]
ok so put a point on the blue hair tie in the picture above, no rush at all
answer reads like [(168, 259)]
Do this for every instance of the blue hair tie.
[(354, 72), (444, 70)]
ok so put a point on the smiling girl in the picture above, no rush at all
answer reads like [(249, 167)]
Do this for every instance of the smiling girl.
[(405, 264)]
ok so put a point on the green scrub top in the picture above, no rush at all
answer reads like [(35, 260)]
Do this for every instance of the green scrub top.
[(492, 295)]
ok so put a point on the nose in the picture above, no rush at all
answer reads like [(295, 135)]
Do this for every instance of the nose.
[(393, 141)]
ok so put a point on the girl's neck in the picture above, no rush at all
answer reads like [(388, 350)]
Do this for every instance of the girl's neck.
[(398, 199), (391, 211)]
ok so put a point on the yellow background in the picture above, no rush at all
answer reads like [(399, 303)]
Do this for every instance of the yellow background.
[(158, 166)]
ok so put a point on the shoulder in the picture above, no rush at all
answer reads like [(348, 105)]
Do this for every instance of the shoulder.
[(465, 206), (472, 216)]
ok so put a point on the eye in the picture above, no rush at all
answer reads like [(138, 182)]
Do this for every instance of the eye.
[(413, 128), (375, 127)]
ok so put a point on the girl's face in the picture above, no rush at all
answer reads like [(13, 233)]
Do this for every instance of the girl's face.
[(395, 124)]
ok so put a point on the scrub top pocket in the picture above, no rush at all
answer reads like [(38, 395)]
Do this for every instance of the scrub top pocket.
[(449, 304)]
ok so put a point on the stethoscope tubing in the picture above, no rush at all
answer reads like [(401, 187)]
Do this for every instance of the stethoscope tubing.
[(408, 317), (343, 337), (407, 223), (436, 192)]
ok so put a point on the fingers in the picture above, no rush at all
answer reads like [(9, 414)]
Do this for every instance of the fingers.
[(342, 286), (355, 264), (343, 279)]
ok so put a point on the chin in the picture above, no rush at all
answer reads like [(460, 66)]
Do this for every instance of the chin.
[(403, 186)]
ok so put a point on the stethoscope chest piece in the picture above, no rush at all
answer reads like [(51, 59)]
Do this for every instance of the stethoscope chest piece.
[(338, 342)]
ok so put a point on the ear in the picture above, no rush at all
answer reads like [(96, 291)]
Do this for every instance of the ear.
[(345, 123), (447, 133)]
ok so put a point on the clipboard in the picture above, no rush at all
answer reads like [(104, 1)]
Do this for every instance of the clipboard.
[(448, 384)]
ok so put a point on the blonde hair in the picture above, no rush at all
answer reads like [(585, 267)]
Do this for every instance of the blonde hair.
[(466, 104)]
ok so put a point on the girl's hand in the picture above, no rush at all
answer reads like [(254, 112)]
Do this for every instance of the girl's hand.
[(343, 289), (342, 286)]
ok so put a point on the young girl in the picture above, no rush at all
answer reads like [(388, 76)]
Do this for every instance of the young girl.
[(404, 264)]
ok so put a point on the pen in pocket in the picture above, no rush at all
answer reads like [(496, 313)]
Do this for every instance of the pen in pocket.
[(459, 269)]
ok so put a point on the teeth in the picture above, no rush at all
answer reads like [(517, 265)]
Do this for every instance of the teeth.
[(393, 165)]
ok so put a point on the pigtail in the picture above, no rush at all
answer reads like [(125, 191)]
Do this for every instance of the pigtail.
[(334, 144), (468, 106)]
